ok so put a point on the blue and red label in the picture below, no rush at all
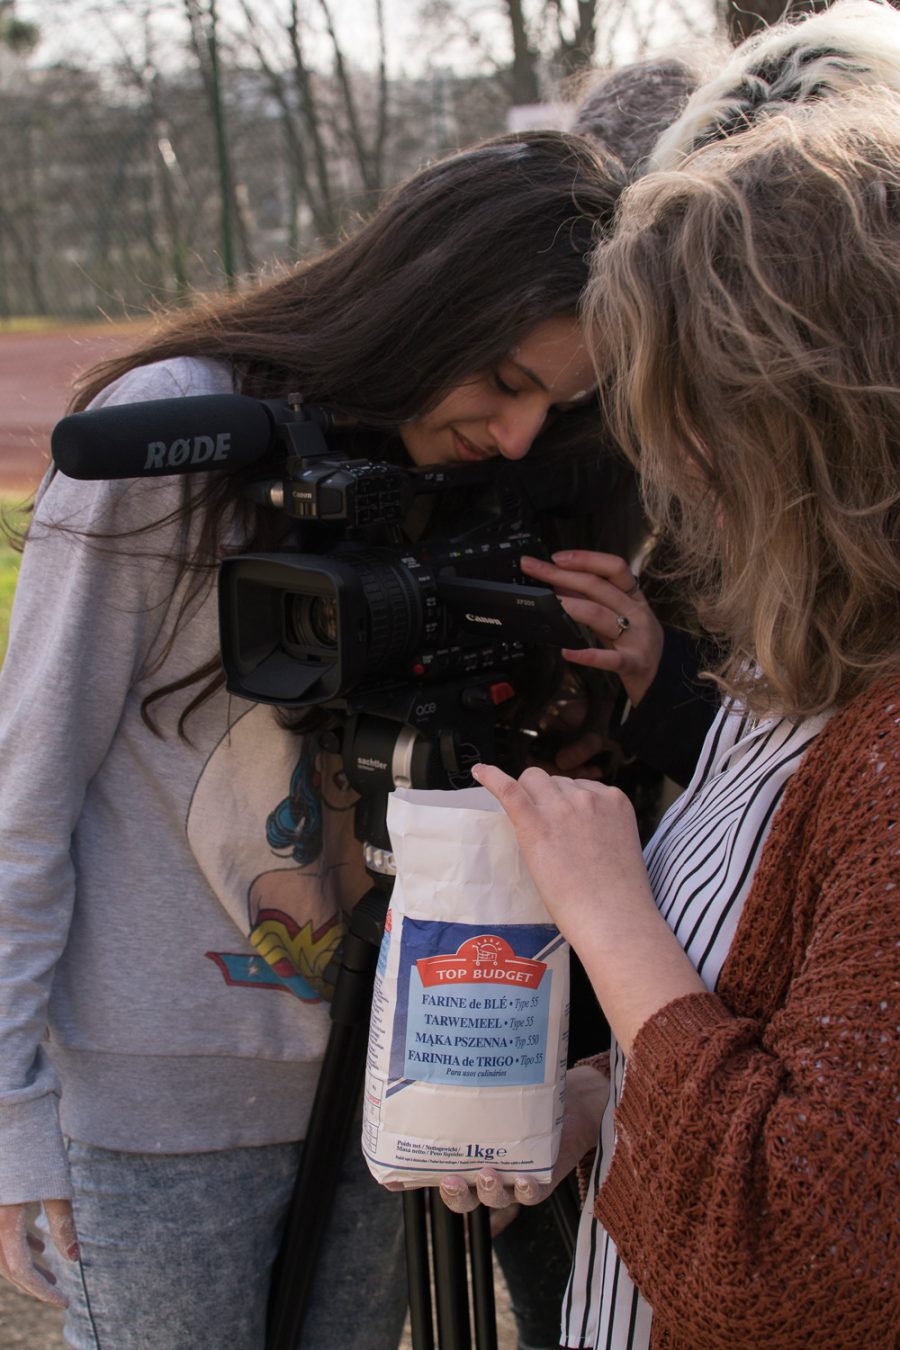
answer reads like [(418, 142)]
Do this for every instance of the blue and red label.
[(473, 1004)]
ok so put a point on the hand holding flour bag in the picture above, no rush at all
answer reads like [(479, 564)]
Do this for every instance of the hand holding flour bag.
[(469, 1027)]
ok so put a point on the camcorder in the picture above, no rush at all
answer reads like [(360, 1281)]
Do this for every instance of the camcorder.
[(412, 636)]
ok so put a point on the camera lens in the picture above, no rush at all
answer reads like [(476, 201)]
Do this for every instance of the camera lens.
[(352, 614), (323, 620), (313, 619)]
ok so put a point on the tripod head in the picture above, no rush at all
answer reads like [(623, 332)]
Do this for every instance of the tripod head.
[(379, 753)]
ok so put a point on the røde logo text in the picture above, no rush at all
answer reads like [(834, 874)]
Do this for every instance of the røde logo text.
[(188, 450)]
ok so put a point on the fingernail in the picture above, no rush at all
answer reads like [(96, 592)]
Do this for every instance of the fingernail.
[(564, 556), (523, 1186), (453, 1189), (72, 1252), (475, 771), (487, 1183)]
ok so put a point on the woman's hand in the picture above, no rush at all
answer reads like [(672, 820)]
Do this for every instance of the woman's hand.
[(598, 591), (580, 843), (19, 1247), (587, 1091)]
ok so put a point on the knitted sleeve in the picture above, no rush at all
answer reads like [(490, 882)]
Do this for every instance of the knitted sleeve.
[(600, 1063), (753, 1188)]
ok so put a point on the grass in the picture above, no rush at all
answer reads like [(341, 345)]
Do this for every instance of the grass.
[(9, 567), (29, 324), (100, 323)]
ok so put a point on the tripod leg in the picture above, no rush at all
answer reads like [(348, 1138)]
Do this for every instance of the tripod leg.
[(450, 1276), (564, 1203), (418, 1273), (482, 1267), (337, 1095)]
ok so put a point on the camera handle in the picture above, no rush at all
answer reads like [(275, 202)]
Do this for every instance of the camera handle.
[(327, 1136)]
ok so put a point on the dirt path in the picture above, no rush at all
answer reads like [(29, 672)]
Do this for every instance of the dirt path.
[(26, 1324), (36, 370)]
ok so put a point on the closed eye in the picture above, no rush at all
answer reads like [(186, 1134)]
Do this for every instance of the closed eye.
[(500, 383)]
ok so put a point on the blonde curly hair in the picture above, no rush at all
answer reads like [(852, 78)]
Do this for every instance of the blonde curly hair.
[(746, 320)]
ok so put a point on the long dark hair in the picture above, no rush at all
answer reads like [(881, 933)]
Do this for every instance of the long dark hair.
[(459, 263), (455, 268)]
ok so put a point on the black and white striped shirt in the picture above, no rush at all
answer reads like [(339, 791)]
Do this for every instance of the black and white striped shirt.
[(701, 862)]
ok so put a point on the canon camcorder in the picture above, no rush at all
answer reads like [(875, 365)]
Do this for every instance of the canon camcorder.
[(407, 619)]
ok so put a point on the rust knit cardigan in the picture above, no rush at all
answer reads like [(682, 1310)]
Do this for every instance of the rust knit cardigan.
[(753, 1188)]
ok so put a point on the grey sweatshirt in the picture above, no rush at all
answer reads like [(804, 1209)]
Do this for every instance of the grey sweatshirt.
[(135, 1011)]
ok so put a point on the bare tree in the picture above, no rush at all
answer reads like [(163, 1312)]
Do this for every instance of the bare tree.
[(525, 85), (20, 234), (335, 120), (293, 89), (740, 18), (168, 227), (116, 170), (549, 41), (203, 21), (369, 156), (576, 33)]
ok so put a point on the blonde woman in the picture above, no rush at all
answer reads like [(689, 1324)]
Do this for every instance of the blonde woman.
[(744, 1185)]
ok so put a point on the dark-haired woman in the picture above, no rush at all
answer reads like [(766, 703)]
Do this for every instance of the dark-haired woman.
[(164, 937)]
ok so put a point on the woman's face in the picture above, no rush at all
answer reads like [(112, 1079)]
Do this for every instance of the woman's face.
[(501, 411)]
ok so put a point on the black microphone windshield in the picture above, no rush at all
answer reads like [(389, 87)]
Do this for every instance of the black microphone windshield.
[(166, 435)]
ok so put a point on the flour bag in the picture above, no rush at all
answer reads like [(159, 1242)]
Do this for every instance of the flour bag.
[(469, 1029)]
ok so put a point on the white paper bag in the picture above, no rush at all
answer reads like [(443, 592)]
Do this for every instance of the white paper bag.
[(469, 1029)]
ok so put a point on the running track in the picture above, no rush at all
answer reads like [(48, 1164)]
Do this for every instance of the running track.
[(35, 373)]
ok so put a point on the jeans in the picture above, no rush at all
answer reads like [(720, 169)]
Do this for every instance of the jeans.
[(176, 1252)]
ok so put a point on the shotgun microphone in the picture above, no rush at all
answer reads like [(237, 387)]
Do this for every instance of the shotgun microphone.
[(164, 436)]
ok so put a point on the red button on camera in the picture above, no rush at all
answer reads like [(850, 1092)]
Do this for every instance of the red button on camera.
[(501, 692)]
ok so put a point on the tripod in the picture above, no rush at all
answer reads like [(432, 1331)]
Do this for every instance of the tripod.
[(437, 1240), (333, 1114)]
